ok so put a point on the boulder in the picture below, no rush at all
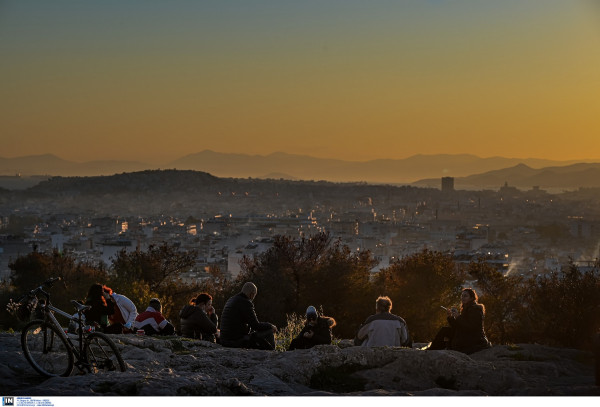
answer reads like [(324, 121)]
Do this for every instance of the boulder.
[(174, 366)]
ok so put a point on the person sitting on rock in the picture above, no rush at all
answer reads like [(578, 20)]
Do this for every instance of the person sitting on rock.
[(240, 327), (384, 328), (465, 333), (198, 319), (100, 309), (152, 320), (121, 321), (316, 331)]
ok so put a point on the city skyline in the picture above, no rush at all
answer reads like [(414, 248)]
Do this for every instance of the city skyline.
[(152, 82)]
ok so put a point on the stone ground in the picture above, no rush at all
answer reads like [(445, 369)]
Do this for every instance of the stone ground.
[(172, 366)]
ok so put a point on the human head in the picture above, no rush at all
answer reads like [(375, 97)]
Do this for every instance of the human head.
[(311, 313), (202, 299), (383, 304), (155, 303), (468, 295), (250, 290), (95, 291)]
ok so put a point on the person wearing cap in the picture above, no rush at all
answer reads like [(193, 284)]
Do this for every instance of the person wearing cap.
[(152, 320), (383, 328), (198, 319), (240, 327), (316, 331)]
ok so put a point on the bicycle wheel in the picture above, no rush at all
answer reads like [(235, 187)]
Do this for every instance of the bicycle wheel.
[(102, 354), (46, 350)]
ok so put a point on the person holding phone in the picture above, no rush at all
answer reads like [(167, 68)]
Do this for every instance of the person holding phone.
[(316, 331), (465, 332)]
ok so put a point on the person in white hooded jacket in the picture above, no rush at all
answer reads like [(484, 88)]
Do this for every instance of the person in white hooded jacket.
[(125, 312)]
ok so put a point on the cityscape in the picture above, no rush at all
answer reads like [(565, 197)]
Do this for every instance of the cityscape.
[(527, 232)]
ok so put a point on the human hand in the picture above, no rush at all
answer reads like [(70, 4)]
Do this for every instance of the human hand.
[(454, 312), (309, 334), (274, 328)]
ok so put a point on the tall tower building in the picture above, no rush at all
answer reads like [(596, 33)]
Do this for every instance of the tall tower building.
[(447, 184)]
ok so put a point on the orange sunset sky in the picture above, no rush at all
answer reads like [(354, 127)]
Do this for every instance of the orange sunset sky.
[(358, 80)]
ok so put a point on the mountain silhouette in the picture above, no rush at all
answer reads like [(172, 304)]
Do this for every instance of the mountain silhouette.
[(571, 176), (292, 166)]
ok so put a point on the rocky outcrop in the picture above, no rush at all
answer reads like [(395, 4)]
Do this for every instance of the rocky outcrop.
[(182, 367)]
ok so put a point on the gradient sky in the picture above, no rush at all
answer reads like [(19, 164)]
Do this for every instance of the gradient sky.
[(155, 80)]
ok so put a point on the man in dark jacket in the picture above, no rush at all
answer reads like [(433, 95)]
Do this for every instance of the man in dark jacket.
[(240, 327), (316, 331)]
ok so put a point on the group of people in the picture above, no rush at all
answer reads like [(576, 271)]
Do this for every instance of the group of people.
[(239, 326), (115, 313)]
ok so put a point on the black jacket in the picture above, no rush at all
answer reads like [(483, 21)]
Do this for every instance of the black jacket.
[(322, 334), (99, 312), (469, 335), (238, 318), (194, 323)]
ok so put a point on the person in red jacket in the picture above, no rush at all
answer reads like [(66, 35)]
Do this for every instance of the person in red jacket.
[(152, 320)]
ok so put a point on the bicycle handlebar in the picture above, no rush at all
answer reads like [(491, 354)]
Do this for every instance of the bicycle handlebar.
[(48, 283)]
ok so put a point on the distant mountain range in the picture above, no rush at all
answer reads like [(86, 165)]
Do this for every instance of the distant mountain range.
[(522, 176), (423, 170)]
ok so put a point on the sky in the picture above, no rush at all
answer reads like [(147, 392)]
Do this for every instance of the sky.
[(154, 80)]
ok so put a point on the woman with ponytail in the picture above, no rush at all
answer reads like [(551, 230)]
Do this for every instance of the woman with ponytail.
[(466, 332)]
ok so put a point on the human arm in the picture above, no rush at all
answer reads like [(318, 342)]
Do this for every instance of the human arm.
[(469, 321), (213, 317), (128, 309), (250, 318), (363, 332), (322, 334), (202, 322)]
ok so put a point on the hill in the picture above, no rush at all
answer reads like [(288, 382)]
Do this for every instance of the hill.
[(173, 366), (188, 192), (291, 166), (572, 176)]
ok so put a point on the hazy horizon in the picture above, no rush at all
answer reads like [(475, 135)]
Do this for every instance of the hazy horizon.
[(152, 81), (156, 162)]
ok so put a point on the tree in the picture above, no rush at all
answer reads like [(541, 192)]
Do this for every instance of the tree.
[(158, 266), (311, 271), (502, 296), (562, 309), (283, 269), (142, 275), (31, 270), (418, 285)]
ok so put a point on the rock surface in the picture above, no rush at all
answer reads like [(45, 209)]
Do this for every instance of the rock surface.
[(179, 367)]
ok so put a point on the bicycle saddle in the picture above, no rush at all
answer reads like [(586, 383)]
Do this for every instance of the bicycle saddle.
[(80, 307)]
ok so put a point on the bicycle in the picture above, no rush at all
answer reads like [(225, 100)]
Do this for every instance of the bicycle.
[(50, 349)]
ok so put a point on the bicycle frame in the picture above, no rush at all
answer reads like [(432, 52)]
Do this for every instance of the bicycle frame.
[(49, 317)]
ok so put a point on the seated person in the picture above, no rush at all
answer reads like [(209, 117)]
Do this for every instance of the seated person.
[(240, 327), (465, 332), (383, 328), (121, 321), (198, 319), (152, 320), (101, 308), (316, 331)]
